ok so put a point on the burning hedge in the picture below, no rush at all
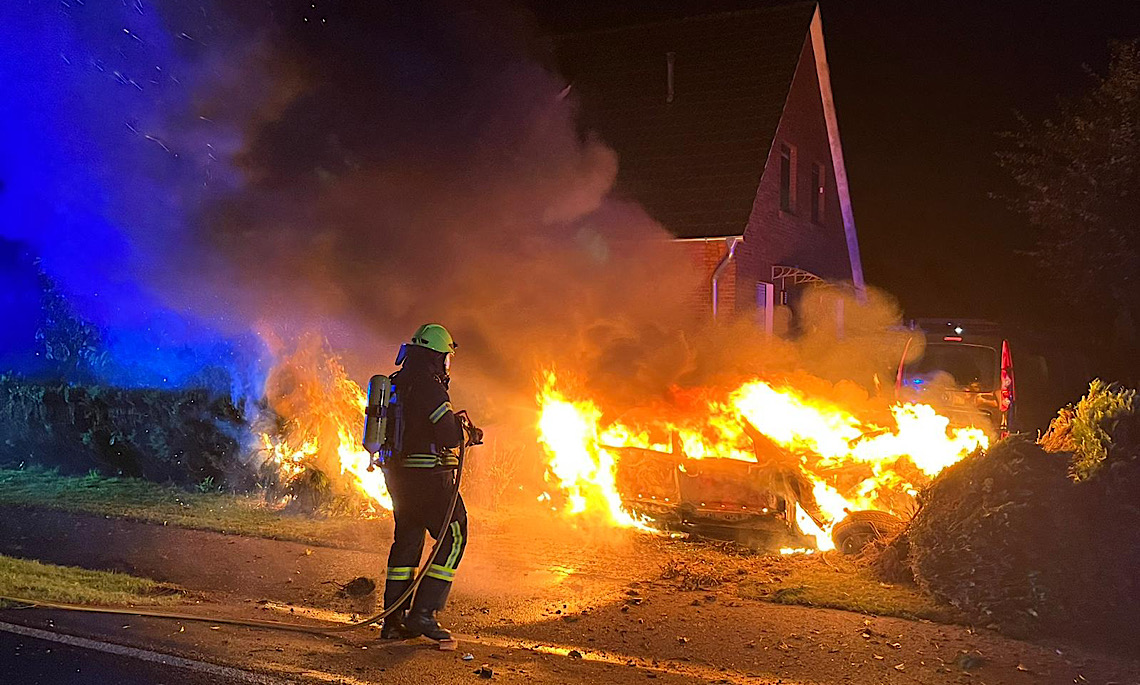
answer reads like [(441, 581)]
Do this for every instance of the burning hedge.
[(297, 444), (1035, 539)]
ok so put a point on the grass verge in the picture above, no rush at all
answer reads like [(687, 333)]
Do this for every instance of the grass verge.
[(50, 583), (841, 584), (827, 580), (150, 502)]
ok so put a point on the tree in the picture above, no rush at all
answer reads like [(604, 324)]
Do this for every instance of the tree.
[(1078, 181), (70, 345)]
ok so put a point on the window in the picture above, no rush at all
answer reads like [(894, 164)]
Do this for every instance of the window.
[(817, 197), (970, 367), (787, 178)]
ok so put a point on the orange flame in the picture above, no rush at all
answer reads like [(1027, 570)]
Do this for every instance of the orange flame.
[(579, 465), (323, 412), (851, 462)]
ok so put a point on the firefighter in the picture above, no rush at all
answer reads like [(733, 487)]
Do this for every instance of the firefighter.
[(421, 479)]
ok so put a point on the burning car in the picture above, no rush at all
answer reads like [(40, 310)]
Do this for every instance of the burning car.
[(768, 464), (754, 504)]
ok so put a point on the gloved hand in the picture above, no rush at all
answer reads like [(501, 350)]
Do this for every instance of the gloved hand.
[(474, 435)]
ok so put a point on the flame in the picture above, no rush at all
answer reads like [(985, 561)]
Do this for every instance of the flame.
[(323, 414), (354, 460), (851, 462), (579, 465)]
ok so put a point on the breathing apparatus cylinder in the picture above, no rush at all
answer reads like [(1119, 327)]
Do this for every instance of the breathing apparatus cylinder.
[(376, 417)]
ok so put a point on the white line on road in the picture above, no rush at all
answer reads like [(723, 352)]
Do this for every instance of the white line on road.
[(236, 675)]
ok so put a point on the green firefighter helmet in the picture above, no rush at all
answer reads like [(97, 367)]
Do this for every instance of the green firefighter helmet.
[(434, 337)]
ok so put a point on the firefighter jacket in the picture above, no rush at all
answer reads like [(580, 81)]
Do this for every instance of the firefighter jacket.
[(430, 429)]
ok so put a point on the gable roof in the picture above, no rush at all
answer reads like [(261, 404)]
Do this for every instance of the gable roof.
[(695, 163)]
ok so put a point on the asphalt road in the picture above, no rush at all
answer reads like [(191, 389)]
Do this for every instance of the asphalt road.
[(536, 603), (33, 657)]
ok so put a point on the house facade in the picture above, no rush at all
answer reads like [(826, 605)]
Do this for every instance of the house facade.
[(726, 133)]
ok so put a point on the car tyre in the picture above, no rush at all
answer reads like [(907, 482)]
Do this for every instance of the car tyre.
[(859, 528)]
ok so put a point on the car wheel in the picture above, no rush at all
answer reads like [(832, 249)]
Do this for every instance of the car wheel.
[(853, 533)]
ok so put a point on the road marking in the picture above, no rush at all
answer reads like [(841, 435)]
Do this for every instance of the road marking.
[(144, 655)]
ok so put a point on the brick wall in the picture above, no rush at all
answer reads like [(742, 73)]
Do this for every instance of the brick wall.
[(774, 237), (705, 255)]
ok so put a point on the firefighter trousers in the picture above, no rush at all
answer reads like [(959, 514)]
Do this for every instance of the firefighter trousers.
[(420, 498)]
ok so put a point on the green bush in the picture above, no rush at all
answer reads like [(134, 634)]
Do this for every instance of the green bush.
[(1089, 429), (180, 436)]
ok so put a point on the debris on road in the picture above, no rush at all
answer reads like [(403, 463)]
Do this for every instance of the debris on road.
[(361, 586), (967, 661)]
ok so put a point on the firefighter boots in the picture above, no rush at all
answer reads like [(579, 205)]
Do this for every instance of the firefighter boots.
[(422, 622), (394, 628)]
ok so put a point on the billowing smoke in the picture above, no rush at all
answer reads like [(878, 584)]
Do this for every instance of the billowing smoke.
[(211, 182), (197, 172), (106, 158), (418, 163)]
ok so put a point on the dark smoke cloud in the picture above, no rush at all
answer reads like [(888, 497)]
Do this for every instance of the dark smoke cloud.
[(351, 169), (107, 157), (415, 162)]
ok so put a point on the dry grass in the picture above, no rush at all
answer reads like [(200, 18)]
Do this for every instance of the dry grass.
[(821, 580), (150, 502)]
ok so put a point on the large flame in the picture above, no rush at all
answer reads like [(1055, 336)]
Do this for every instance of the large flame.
[(322, 414), (851, 462), (579, 463)]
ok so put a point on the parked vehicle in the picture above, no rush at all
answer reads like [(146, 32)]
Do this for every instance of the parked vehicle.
[(966, 369), (1013, 379)]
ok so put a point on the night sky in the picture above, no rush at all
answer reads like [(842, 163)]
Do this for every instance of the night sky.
[(923, 90)]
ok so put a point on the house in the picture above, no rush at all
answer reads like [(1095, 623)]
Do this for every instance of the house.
[(726, 134)]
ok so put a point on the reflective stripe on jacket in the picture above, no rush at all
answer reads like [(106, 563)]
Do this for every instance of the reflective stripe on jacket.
[(431, 429)]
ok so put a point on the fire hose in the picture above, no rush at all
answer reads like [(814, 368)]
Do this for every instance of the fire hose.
[(472, 436)]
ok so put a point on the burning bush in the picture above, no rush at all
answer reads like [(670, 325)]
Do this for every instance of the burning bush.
[(299, 441), (310, 434), (1037, 541)]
